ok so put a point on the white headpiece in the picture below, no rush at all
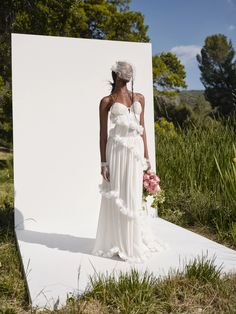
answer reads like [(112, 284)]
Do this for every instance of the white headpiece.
[(124, 70)]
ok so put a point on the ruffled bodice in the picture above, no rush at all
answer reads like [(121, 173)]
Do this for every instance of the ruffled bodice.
[(126, 119), (126, 122)]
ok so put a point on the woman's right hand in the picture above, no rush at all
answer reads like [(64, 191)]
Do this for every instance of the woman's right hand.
[(105, 172)]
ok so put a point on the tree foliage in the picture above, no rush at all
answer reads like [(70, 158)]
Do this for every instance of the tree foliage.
[(98, 19), (169, 75), (168, 72), (218, 73)]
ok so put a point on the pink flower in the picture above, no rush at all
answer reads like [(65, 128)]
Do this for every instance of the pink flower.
[(157, 188), (157, 178), (151, 190), (145, 184), (152, 182), (145, 176)]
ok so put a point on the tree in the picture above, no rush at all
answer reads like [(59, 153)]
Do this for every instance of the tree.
[(218, 73), (5, 115), (168, 72), (99, 19)]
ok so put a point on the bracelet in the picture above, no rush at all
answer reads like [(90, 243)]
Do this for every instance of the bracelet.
[(104, 163)]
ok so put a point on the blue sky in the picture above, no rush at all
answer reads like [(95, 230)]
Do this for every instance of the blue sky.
[(181, 26)]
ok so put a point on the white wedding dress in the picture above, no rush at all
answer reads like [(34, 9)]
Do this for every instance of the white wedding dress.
[(123, 228)]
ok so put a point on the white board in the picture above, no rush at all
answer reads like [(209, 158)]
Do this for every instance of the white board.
[(58, 83)]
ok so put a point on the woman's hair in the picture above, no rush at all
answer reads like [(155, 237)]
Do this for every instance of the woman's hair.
[(125, 71)]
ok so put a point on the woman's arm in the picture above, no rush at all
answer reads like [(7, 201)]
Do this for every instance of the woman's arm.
[(103, 114), (144, 136)]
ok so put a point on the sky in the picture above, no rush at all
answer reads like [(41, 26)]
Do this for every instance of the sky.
[(181, 27)]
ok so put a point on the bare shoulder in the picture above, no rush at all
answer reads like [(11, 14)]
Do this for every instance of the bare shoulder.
[(140, 98), (105, 102)]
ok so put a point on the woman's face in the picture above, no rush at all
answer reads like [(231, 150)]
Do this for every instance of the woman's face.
[(118, 79)]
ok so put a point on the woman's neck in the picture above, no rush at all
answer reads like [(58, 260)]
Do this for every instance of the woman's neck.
[(123, 90)]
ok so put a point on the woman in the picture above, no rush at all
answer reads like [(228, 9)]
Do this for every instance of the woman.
[(121, 227)]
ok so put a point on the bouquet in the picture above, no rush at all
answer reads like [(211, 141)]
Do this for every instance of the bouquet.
[(151, 187)]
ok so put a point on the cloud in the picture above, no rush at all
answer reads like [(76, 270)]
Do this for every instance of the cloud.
[(231, 27), (231, 2), (186, 54)]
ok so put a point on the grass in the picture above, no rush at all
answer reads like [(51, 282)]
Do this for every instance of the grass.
[(197, 174), (197, 171), (180, 291)]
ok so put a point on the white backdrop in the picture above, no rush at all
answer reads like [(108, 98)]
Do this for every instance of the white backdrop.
[(57, 87)]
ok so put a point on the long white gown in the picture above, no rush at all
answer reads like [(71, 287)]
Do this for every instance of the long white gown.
[(122, 226)]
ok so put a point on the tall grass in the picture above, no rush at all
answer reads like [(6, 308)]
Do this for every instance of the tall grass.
[(228, 181), (187, 290), (188, 164), (198, 288)]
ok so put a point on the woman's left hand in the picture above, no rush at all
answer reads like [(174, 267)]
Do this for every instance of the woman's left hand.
[(149, 166)]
